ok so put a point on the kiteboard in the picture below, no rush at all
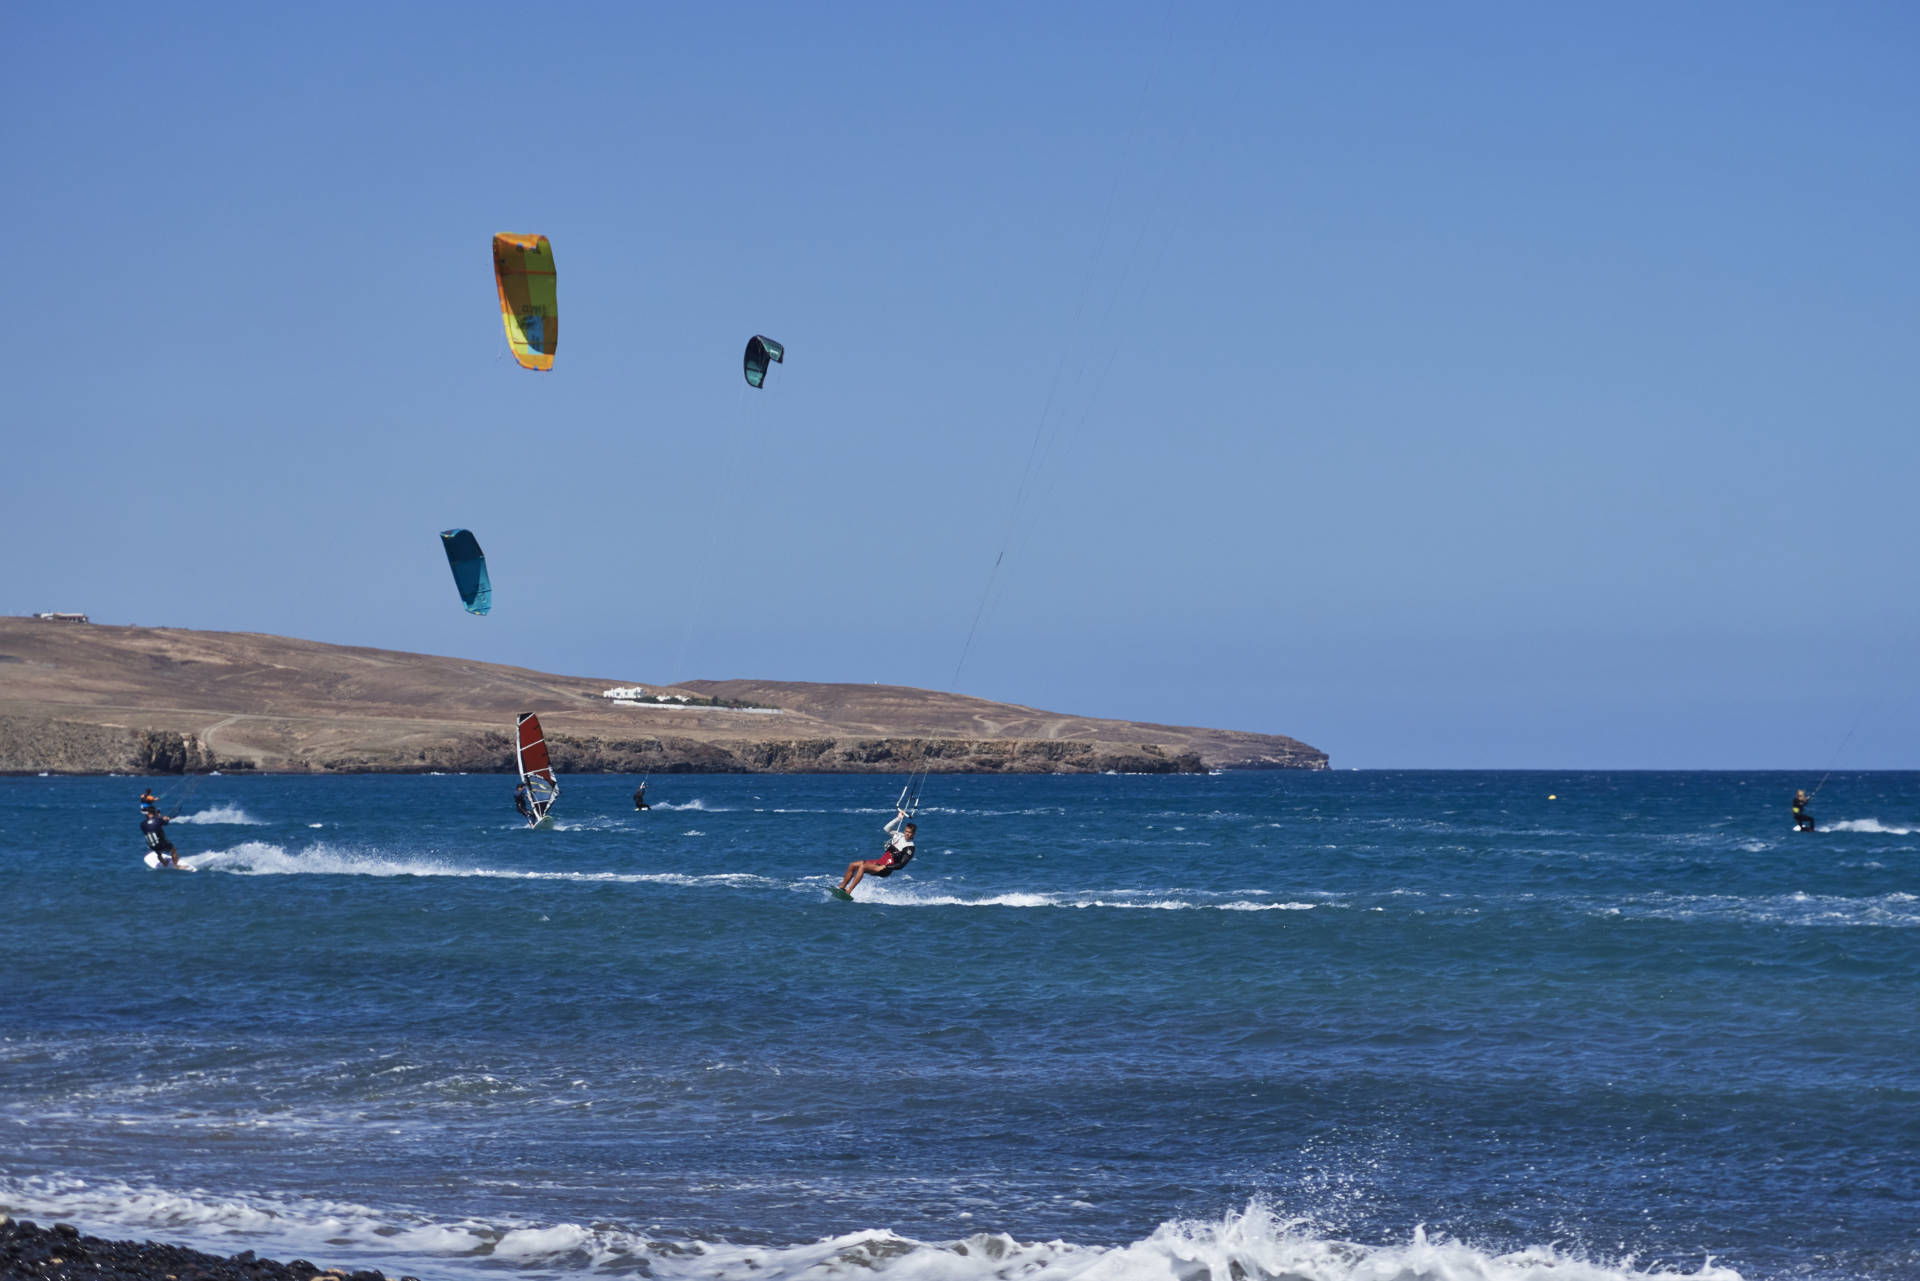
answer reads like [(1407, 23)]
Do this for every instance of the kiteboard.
[(841, 894), (152, 860)]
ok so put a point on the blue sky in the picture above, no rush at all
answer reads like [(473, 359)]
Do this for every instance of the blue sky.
[(1476, 386)]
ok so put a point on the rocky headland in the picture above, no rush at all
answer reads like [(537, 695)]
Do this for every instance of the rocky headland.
[(63, 1253), (81, 698)]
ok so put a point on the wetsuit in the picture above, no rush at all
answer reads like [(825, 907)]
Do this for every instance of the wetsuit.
[(640, 798), (899, 851), (154, 828), (1802, 819), (520, 802)]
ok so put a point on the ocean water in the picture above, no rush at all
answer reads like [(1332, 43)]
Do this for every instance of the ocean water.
[(1346, 1025)]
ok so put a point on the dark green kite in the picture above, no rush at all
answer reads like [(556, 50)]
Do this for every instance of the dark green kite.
[(760, 352)]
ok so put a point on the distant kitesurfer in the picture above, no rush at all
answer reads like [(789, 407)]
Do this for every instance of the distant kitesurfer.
[(522, 803), (153, 826), (898, 854), (148, 800), (1802, 819), (640, 798)]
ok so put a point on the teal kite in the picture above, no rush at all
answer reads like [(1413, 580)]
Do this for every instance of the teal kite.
[(760, 352), (469, 569)]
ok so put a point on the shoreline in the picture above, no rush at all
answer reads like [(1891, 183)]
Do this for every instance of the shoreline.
[(64, 1253)]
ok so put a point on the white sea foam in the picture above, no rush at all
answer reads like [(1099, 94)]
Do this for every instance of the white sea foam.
[(229, 814), (1873, 825), (593, 823), (909, 895), (262, 858), (695, 804), (1897, 910), (1256, 1243)]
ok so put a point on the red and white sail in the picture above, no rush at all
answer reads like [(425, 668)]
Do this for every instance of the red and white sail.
[(536, 767)]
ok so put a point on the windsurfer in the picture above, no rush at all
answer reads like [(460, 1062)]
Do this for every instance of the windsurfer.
[(523, 803), (898, 854)]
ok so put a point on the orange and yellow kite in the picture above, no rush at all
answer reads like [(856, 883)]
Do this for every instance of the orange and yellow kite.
[(529, 298)]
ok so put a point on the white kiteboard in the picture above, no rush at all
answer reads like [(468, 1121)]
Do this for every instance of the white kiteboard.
[(152, 860)]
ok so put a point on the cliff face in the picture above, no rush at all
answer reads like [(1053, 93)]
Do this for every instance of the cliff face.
[(89, 698)]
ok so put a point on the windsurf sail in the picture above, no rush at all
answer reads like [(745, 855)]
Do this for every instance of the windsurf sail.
[(529, 297), (469, 569), (536, 768), (762, 351)]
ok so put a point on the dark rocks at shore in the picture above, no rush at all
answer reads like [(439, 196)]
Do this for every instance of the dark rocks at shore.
[(71, 747), (63, 1253), (494, 753), (79, 749)]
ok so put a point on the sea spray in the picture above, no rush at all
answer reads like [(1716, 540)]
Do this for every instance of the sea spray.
[(1255, 1244)]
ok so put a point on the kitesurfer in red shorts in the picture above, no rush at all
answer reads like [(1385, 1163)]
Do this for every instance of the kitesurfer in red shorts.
[(898, 854)]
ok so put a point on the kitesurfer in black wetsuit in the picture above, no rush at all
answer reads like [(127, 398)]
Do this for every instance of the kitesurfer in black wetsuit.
[(520, 802), (1802, 818), (153, 826), (640, 798), (898, 854)]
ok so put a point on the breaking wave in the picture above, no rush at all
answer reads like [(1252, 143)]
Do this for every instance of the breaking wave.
[(1257, 1244)]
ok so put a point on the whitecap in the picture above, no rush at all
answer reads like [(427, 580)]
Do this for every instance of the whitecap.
[(231, 815), (263, 858), (1256, 1242), (1872, 825)]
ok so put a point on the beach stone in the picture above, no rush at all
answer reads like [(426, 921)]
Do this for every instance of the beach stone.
[(64, 1253)]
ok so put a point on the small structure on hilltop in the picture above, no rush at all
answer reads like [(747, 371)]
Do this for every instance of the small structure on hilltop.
[(639, 694), (62, 618)]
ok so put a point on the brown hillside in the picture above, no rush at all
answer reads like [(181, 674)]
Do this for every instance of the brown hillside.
[(86, 697)]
